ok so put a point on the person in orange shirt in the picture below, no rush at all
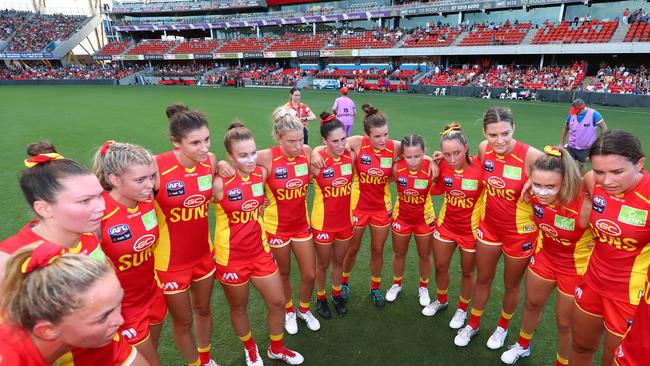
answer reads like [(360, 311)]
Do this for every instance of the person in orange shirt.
[(242, 254)]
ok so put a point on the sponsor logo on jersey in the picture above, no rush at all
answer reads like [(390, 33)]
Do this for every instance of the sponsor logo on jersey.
[(456, 193), (144, 242), (235, 194), (632, 216), (599, 203), (527, 246), (469, 184), (539, 210), (323, 236), (512, 172), (564, 223), (402, 181), (411, 192), (548, 229), (397, 226), (488, 166), (170, 286), (386, 162), (229, 277), (376, 172), (339, 182), (365, 159), (175, 188), (449, 181), (496, 182), (194, 200), (276, 241), (608, 227), (129, 333), (119, 232), (281, 173), (578, 292), (532, 260), (328, 172), (294, 183), (250, 205)]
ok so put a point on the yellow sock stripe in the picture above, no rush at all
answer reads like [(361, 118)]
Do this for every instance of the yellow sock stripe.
[(395, 278), (464, 300), (204, 349), (376, 279), (336, 288), (476, 312), (195, 363), (277, 337), (289, 304), (345, 274), (506, 315), (441, 292), (246, 337), (561, 359), (525, 335), (425, 280), (304, 304), (321, 293)]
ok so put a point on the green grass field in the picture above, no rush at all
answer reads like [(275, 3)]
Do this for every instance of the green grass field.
[(79, 119)]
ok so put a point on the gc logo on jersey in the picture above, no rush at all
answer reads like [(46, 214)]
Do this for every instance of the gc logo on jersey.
[(281, 173), (488, 166), (175, 188), (449, 181), (599, 204), (235, 194), (328, 172), (402, 181), (539, 210), (119, 232), (365, 159)]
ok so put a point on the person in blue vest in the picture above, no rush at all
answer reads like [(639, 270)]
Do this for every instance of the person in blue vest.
[(581, 127)]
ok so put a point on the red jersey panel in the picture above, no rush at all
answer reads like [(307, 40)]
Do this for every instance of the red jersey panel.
[(88, 243), (128, 239), (413, 199), (117, 353), (635, 347), (373, 168), (464, 198), (182, 212), (619, 263), (504, 178), (332, 194), (561, 237), (238, 235), (17, 348)]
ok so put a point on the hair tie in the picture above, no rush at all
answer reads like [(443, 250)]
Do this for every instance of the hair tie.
[(553, 151), (452, 127), (42, 158), (42, 256), (329, 118), (107, 145)]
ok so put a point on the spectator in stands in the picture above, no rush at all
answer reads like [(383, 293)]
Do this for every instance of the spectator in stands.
[(345, 110), (303, 112), (581, 126)]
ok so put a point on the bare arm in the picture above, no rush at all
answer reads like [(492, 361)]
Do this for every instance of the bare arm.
[(603, 127), (588, 182), (481, 150), (217, 189), (532, 155), (565, 129)]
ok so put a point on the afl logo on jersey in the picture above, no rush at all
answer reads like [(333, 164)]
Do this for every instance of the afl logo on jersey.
[(328, 172), (496, 182), (339, 182), (365, 159), (294, 183), (548, 229), (144, 242), (402, 182), (599, 204), (609, 227), (376, 172), (119, 232), (539, 210), (175, 188), (456, 193), (411, 192), (449, 181), (250, 205), (281, 173), (235, 194), (488, 166), (194, 200)]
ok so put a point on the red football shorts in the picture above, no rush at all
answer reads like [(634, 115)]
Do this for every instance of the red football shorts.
[(513, 245), (240, 274), (328, 237), (278, 240), (616, 315), (363, 219), (466, 241), (178, 281)]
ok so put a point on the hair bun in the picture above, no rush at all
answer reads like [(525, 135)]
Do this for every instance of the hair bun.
[(40, 147), (369, 109), (236, 124), (174, 109)]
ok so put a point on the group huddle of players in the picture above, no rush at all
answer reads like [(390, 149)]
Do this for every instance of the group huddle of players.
[(115, 249)]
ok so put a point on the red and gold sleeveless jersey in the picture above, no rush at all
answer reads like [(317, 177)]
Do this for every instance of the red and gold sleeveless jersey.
[(17, 348), (128, 239), (413, 204), (373, 168), (182, 213), (635, 346), (88, 243), (332, 194), (464, 196), (238, 235), (618, 265), (561, 237), (286, 189), (504, 178)]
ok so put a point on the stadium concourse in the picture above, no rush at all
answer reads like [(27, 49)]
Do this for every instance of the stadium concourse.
[(333, 67)]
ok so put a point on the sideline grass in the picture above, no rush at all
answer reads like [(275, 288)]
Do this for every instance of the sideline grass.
[(78, 119)]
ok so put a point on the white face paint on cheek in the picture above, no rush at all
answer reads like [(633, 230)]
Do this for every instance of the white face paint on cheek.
[(538, 191)]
